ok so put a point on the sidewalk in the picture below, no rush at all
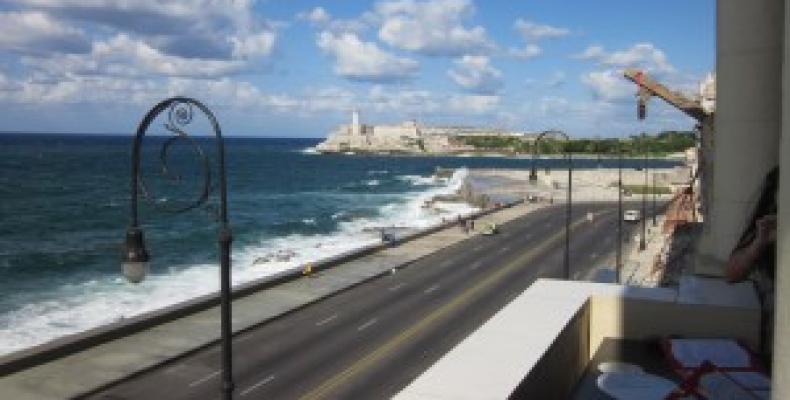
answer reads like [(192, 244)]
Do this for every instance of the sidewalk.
[(102, 365), (640, 268)]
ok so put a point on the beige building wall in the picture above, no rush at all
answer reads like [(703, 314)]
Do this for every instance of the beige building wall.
[(781, 378), (749, 37)]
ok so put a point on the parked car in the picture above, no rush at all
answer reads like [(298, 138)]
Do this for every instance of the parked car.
[(632, 216)]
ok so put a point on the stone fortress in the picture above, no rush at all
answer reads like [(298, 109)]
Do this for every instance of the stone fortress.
[(406, 137)]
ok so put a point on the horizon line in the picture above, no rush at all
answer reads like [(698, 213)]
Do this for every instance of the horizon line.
[(117, 134)]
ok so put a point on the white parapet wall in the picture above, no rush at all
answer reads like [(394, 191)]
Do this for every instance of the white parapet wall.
[(543, 354)]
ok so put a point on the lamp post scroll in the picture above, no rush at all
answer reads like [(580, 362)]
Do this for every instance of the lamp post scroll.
[(180, 112)]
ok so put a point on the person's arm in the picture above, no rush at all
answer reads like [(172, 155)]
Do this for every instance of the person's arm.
[(742, 260)]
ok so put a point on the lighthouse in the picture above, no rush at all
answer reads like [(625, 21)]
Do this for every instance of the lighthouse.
[(356, 128)]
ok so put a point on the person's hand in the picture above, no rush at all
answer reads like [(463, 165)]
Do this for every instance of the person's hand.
[(766, 230)]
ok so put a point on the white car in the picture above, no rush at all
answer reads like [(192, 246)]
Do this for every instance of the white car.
[(631, 216)]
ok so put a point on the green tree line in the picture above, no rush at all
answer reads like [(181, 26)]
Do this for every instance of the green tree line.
[(661, 143)]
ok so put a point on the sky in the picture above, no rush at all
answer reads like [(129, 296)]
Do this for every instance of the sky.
[(297, 68)]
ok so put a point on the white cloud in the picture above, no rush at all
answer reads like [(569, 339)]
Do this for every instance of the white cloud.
[(432, 27), (317, 15), (609, 85), (532, 31), (364, 61), (38, 33), (257, 44), (591, 53), (529, 51), (124, 56), (122, 91), (641, 55), (402, 101), (475, 104), (127, 51), (195, 29), (331, 98), (475, 74), (321, 18)]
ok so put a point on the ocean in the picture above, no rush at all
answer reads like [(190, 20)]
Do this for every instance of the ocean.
[(64, 210)]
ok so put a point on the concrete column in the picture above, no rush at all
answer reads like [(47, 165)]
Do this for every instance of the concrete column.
[(747, 122), (781, 356)]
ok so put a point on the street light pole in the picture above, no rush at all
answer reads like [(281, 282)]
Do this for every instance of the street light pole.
[(619, 262), (533, 173), (654, 198), (568, 210), (135, 262), (642, 243)]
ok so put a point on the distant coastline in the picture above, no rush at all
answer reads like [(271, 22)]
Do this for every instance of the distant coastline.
[(413, 138)]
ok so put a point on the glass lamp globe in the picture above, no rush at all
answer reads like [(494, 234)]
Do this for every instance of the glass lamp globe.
[(135, 272), (135, 263)]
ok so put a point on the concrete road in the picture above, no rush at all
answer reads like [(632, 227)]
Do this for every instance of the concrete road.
[(370, 341)]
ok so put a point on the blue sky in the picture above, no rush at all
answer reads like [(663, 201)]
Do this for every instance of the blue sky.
[(296, 68)]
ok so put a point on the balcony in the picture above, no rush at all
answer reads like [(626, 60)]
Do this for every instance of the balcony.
[(542, 344)]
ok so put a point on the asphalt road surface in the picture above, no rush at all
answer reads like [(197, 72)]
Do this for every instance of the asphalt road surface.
[(370, 341)]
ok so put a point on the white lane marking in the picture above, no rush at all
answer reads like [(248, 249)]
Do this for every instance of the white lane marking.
[(396, 287), (477, 264), (203, 379), (593, 255), (431, 289), (257, 385), (326, 320), (503, 249), (367, 324)]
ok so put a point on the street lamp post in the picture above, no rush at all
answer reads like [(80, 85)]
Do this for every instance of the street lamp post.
[(533, 172), (642, 243), (619, 261), (135, 262), (568, 208), (569, 204), (654, 198)]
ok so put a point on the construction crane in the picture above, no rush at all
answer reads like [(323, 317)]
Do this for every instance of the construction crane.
[(649, 88)]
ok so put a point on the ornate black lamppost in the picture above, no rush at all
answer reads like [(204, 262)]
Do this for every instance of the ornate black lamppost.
[(533, 171), (135, 263)]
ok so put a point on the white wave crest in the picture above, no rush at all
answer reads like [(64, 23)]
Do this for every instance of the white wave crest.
[(417, 180)]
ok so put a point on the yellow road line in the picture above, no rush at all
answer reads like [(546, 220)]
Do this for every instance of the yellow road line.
[(362, 364)]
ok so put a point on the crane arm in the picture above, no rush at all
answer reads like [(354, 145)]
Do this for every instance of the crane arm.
[(649, 87)]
